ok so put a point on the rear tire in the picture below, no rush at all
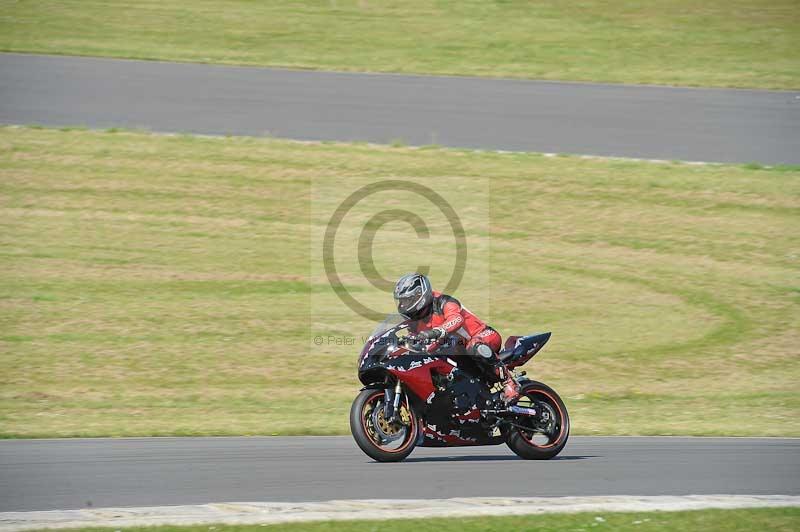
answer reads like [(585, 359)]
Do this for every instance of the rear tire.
[(361, 426), (524, 443)]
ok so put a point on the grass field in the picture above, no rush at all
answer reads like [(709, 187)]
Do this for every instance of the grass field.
[(727, 43), (159, 285), (778, 519)]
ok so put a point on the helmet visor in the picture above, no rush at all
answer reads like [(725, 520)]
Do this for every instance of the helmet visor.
[(409, 305)]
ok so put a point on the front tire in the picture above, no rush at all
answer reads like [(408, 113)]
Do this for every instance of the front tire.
[(544, 437), (378, 439)]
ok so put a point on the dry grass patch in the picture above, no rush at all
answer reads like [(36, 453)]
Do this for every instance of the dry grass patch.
[(163, 284)]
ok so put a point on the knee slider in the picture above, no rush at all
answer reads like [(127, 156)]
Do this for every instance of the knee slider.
[(484, 351)]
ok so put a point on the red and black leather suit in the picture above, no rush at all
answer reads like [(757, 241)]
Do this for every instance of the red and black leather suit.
[(451, 318)]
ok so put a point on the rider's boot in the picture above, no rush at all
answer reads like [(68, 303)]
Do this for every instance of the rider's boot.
[(510, 385)]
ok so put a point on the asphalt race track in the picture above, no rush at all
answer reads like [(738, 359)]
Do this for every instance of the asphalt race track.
[(632, 121), (77, 473)]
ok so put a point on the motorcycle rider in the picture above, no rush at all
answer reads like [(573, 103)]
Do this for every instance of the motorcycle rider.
[(438, 315)]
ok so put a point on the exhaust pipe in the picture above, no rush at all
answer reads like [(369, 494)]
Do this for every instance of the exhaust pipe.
[(514, 409)]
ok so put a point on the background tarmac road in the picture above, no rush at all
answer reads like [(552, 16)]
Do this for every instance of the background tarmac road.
[(722, 125), (76, 473)]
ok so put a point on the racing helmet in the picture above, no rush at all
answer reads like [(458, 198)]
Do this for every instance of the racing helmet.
[(414, 296)]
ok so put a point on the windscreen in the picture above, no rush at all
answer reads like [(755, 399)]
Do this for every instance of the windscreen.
[(392, 320)]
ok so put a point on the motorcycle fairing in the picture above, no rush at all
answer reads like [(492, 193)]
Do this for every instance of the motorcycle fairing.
[(453, 417), (415, 369), (520, 349), (433, 437)]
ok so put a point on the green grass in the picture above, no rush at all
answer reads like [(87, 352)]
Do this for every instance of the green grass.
[(725, 43), (161, 285), (783, 519)]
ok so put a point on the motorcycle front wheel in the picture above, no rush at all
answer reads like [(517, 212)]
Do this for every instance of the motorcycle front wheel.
[(543, 436), (377, 437)]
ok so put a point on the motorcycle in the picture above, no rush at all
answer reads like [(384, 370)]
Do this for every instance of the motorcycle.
[(442, 399)]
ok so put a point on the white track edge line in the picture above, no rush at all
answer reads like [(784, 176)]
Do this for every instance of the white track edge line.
[(289, 512)]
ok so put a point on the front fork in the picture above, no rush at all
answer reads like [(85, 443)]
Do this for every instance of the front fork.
[(391, 402)]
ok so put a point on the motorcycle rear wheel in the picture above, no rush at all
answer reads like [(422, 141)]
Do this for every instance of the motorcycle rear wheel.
[(374, 435), (544, 439)]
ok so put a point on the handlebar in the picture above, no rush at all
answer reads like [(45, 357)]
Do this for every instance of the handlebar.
[(415, 341), (409, 339)]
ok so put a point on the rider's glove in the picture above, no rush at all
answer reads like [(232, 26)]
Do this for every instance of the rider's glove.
[(431, 334)]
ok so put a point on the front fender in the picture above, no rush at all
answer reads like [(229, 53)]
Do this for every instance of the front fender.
[(377, 386)]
